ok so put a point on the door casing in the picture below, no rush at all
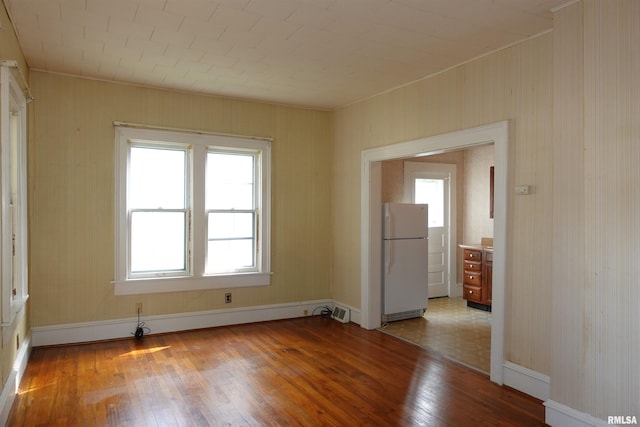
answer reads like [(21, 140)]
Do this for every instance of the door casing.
[(371, 225)]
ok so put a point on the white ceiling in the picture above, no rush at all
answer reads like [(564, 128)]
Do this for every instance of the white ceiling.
[(314, 53)]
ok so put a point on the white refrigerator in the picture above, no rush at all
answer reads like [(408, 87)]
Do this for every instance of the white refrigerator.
[(405, 251)]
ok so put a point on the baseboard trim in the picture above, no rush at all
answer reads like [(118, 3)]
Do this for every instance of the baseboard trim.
[(559, 415), (456, 291), (10, 388), (526, 380), (122, 328)]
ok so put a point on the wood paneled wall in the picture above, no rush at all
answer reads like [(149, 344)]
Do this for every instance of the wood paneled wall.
[(476, 221), (597, 208), (568, 207), (71, 201)]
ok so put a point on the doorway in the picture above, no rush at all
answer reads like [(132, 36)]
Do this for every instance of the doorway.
[(435, 185), (370, 315), (449, 326)]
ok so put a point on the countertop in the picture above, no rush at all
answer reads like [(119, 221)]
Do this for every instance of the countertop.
[(477, 246)]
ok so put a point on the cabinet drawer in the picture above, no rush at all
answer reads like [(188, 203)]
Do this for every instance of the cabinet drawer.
[(472, 255), (472, 278), (472, 266), (472, 293)]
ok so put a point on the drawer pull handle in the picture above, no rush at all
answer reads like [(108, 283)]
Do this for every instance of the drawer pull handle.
[(471, 277), (470, 292)]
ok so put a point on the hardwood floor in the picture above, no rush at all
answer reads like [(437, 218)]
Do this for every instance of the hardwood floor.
[(300, 372)]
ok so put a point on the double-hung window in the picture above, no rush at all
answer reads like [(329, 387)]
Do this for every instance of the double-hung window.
[(192, 211), (158, 210), (232, 214)]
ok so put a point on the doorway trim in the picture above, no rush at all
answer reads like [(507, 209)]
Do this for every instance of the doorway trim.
[(371, 232)]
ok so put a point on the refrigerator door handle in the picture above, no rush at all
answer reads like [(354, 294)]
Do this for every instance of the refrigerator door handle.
[(388, 224), (389, 257)]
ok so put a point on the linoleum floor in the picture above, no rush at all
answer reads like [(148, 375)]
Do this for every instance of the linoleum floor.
[(452, 329)]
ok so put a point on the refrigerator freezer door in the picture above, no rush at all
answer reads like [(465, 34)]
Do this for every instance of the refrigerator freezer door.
[(405, 275), (403, 221)]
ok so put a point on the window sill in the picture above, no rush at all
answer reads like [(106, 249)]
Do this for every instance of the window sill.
[(16, 306), (181, 284)]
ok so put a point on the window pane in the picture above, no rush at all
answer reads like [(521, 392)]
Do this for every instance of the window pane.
[(158, 241), (229, 255), (431, 192), (156, 178), (224, 225), (230, 181)]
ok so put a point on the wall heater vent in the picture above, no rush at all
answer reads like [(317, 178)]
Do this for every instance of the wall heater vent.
[(341, 314)]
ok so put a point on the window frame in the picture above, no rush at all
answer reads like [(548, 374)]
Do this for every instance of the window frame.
[(257, 201), (13, 245), (186, 272), (199, 145)]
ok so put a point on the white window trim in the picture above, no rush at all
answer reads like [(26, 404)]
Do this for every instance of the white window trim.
[(181, 146), (14, 271), (196, 280)]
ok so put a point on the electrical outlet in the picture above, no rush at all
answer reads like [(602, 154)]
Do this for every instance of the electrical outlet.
[(227, 297), (138, 307)]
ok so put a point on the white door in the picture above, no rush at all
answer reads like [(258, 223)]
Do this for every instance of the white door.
[(431, 191), (430, 184)]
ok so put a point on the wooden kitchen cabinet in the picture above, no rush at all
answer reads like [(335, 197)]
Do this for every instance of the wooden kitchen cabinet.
[(477, 275), (487, 273)]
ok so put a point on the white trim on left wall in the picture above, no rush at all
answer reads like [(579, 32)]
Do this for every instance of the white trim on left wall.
[(10, 388)]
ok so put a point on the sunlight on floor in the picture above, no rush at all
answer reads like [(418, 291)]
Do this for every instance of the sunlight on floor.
[(452, 329), (145, 351)]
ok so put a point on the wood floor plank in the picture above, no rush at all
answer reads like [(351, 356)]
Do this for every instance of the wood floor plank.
[(306, 372)]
